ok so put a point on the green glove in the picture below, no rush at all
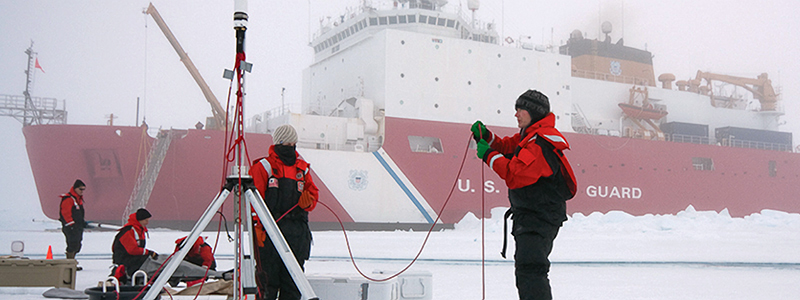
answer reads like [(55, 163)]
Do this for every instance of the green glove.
[(483, 148), (479, 131)]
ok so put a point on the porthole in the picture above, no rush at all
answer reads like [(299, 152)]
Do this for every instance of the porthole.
[(401, 102), (498, 111), (524, 58), (499, 86), (402, 75), (402, 42), (436, 105), (436, 79), (558, 63), (498, 55), (469, 108), (437, 47), (469, 82)]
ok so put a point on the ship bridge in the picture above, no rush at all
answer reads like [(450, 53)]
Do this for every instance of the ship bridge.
[(425, 16)]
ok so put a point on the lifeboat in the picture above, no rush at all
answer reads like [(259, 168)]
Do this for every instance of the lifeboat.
[(639, 112)]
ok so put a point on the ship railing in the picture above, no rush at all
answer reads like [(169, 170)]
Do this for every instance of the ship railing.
[(609, 77), (685, 138), (736, 143)]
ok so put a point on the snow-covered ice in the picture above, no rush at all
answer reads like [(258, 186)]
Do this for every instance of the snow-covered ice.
[(689, 255)]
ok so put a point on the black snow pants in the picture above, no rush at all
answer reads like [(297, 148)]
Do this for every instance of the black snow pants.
[(534, 242), (279, 283), (74, 237)]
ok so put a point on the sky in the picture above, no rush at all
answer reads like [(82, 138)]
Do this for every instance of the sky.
[(100, 56), (688, 255)]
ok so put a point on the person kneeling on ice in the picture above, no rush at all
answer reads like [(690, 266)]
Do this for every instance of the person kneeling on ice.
[(128, 248), (200, 254), (540, 181)]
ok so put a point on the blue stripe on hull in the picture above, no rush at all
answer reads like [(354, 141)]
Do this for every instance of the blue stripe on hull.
[(403, 186)]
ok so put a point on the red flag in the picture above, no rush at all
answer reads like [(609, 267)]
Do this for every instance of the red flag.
[(37, 66)]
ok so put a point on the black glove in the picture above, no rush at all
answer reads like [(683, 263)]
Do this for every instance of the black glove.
[(152, 254)]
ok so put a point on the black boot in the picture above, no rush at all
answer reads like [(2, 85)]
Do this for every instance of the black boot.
[(71, 255)]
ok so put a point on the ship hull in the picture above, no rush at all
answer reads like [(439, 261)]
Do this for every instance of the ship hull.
[(406, 186)]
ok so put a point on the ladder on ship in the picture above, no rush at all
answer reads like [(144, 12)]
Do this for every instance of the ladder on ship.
[(149, 173)]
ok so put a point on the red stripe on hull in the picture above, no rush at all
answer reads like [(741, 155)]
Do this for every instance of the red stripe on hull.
[(632, 175)]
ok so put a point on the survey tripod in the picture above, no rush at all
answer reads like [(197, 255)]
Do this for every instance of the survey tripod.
[(241, 185), (244, 274)]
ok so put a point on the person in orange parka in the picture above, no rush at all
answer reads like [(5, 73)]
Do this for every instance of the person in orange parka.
[(284, 181), (128, 248), (72, 217), (200, 254)]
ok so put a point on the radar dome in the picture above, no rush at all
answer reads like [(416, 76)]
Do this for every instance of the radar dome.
[(606, 27), (576, 35), (473, 4)]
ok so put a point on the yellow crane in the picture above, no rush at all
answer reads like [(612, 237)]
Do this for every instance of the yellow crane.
[(761, 87), (216, 108)]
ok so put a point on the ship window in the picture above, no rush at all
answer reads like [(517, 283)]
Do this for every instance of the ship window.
[(373, 21), (393, 20), (412, 18), (425, 144), (423, 18), (457, 24), (346, 34), (403, 19), (441, 21), (703, 163), (432, 20), (451, 23), (773, 168), (353, 29), (362, 24), (382, 20)]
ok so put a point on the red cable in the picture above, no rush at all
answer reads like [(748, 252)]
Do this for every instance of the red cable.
[(427, 235)]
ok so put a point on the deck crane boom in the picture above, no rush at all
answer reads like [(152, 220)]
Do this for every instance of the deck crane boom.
[(216, 108), (761, 87)]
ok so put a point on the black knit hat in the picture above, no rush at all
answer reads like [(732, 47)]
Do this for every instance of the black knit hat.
[(536, 103), (78, 183), (142, 214)]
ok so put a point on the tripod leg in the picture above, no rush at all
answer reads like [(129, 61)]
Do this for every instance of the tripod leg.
[(280, 245), (176, 259)]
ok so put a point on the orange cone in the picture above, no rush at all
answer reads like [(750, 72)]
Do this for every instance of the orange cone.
[(49, 252)]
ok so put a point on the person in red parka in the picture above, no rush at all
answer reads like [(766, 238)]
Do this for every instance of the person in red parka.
[(540, 181), (200, 254), (284, 181), (71, 214), (128, 248)]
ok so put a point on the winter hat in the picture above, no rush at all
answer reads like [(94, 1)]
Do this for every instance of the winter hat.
[(78, 183), (142, 214), (535, 103), (284, 134)]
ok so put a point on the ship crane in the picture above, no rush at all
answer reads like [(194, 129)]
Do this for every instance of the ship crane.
[(216, 108), (761, 87)]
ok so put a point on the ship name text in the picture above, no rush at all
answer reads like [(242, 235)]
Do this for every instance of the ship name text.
[(614, 192)]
